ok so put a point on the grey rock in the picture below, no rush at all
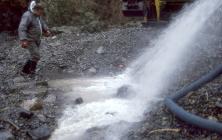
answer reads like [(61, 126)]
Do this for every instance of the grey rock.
[(18, 79), (218, 104), (54, 37), (21, 85), (92, 71), (41, 133), (111, 113), (66, 29), (27, 104), (6, 135), (70, 71), (79, 100), (41, 117), (42, 90), (39, 90), (1, 126), (165, 121), (50, 99), (56, 43), (125, 91), (123, 59), (212, 118), (78, 60), (42, 83), (29, 92), (100, 50), (95, 133), (33, 104)]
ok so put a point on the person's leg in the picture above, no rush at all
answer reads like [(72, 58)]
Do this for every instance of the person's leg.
[(145, 19), (153, 10), (35, 57), (31, 64), (157, 4), (145, 11)]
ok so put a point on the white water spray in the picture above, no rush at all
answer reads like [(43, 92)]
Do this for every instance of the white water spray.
[(154, 69), (150, 75)]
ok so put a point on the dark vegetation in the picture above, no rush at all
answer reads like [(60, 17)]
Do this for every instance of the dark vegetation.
[(94, 13), (10, 13)]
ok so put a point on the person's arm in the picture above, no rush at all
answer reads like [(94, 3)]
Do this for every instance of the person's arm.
[(45, 28), (23, 30)]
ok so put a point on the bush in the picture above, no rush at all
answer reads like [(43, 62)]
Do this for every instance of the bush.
[(95, 14), (10, 13), (81, 12)]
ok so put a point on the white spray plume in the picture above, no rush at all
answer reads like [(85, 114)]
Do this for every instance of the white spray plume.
[(155, 68)]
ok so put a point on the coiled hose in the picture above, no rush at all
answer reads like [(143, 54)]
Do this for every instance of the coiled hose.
[(171, 104)]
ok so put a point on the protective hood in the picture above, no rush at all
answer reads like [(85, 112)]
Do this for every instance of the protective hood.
[(32, 6)]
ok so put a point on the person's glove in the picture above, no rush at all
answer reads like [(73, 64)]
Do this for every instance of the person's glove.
[(24, 43), (47, 33)]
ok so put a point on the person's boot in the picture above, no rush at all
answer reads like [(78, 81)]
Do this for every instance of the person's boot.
[(27, 68), (33, 67)]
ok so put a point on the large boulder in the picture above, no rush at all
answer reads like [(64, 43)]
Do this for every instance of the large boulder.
[(6, 135), (125, 91), (41, 133), (33, 104)]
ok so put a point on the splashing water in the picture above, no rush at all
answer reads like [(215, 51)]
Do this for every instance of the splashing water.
[(150, 75)]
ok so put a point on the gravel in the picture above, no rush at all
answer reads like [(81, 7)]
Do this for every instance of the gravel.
[(80, 54)]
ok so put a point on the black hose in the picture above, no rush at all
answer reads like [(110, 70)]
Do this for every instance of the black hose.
[(198, 83), (193, 119), (170, 102)]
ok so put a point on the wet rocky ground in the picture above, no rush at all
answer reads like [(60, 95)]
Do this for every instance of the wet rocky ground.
[(161, 124), (29, 107)]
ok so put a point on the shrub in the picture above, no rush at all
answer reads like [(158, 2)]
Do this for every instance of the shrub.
[(79, 12)]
